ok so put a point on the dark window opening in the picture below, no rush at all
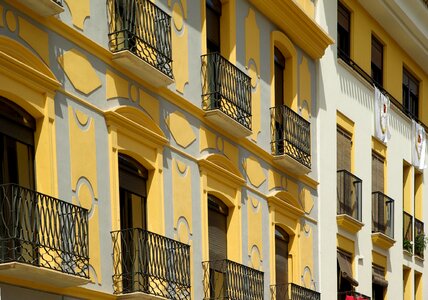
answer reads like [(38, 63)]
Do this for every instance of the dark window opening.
[(410, 93), (133, 195), (217, 236), (379, 283), (282, 241), (343, 31), (345, 281), (213, 14), (17, 129), (279, 60), (377, 61)]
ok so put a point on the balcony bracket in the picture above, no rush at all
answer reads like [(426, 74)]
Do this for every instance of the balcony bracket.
[(139, 296), (291, 164), (44, 8), (349, 224), (50, 277), (226, 123), (382, 240), (142, 69)]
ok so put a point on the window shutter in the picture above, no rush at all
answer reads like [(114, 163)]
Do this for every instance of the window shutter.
[(217, 234), (344, 146), (281, 261), (377, 173)]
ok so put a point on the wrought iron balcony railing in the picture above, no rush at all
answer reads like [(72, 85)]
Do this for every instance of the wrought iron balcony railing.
[(226, 88), (150, 263), (42, 231), (349, 194), (225, 279), (344, 57), (290, 135), (382, 214), (420, 239), (292, 291), (142, 28), (350, 294)]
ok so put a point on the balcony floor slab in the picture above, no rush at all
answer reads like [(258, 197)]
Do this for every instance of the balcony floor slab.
[(41, 275), (141, 69), (139, 296), (44, 8)]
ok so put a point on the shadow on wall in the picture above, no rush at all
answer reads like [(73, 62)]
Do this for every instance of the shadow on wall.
[(364, 94)]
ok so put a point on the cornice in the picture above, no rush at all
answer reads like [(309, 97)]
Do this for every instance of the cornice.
[(294, 22)]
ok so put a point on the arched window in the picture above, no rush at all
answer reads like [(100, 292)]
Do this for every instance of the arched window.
[(17, 129), (282, 240)]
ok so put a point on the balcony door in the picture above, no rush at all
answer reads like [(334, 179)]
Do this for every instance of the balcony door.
[(217, 236), (280, 120), (17, 213), (379, 208), (133, 194), (282, 241)]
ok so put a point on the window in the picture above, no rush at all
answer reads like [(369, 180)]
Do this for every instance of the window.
[(217, 236), (377, 61), (379, 283), (213, 14), (133, 195), (410, 93), (377, 173), (343, 31), (344, 147), (282, 240), (345, 281), (16, 166), (17, 129), (279, 61)]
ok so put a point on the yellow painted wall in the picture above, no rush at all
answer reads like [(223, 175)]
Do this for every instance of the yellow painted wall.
[(252, 60), (362, 28), (407, 283), (180, 47), (83, 166), (255, 221), (418, 192)]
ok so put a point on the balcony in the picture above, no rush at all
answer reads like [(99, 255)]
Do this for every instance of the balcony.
[(226, 95), (382, 220), (351, 295), (148, 265), (290, 139), (44, 8), (349, 198), (225, 279), (140, 39), (292, 292), (407, 232), (420, 239), (42, 239)]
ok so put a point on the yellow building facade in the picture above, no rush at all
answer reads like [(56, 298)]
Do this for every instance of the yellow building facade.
[(160, 149)]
